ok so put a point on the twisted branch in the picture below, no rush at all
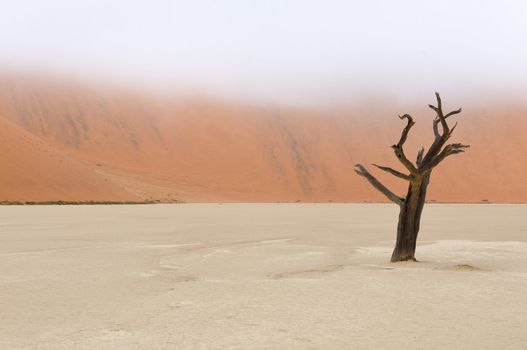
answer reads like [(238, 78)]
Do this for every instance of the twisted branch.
[(440, 138), (449, 150), (398, 148)]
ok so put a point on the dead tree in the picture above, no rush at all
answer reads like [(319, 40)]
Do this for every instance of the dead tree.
[(418, 177)]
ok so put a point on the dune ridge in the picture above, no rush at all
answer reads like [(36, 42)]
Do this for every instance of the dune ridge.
[(68, 141)]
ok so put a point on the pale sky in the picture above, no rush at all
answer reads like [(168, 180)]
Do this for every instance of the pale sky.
[(275, 49)]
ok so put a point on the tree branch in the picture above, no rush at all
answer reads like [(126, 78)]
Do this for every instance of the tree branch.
[(439, 112), (440, 139), (394, 172), (434, 127), (449, 150), (420, 157), (398, 148), (406, 130), (360, 170), (457, 111), (436, 121)]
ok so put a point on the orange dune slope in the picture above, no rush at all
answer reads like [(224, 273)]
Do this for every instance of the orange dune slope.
[(65, 141), (32, 170)]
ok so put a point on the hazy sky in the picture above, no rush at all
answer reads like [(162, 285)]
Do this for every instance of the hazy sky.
[(297, 49)]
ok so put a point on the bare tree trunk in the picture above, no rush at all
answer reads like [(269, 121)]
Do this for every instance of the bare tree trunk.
[(410, 220)]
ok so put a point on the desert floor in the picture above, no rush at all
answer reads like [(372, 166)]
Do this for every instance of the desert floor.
[(260, 276)]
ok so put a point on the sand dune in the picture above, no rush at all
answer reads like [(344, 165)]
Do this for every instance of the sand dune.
[(32, 170), (208, 150)]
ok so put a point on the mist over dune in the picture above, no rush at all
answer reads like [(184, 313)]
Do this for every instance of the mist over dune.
[(69, 141)]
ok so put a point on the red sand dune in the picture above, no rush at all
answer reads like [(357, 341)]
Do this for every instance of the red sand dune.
[(64, 141), (32, 170)]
